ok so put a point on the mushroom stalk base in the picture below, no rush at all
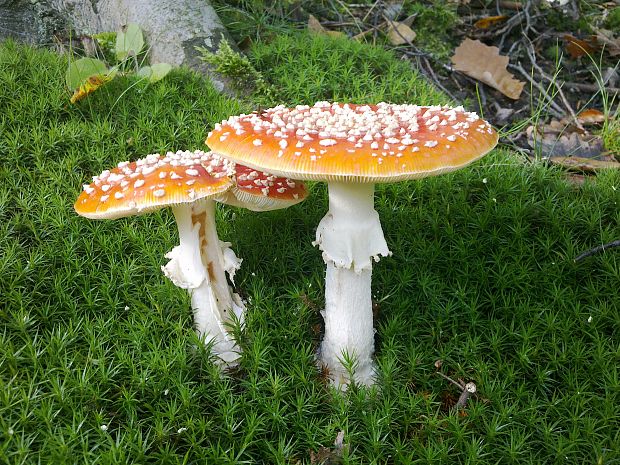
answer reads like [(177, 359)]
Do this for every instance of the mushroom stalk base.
[(350, 237), (348, 344), (198, 264)]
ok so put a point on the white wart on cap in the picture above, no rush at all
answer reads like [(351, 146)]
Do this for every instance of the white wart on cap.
[(349, 142), (260, 191), (155, 182)]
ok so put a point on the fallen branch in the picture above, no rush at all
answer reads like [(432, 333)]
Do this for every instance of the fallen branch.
[(595, 250), (466, 390), (589, 87), (552, 107)]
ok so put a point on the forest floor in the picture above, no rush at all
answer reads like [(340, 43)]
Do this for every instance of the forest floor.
[(99, 362)]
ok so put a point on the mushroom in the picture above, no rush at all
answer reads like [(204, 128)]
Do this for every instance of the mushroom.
[(189, 182), (352, 147)]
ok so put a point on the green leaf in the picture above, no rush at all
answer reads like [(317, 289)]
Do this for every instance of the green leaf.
[(129, 41), (80, 70), (159, 71), (155, 72), (145, 72)]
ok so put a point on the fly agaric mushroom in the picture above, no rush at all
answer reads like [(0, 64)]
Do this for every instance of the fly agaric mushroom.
[(352, 147), (189, 182)]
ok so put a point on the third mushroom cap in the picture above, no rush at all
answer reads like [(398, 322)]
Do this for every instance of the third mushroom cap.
[(352, 147)]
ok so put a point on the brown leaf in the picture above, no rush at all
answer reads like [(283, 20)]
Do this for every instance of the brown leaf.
[(485, 64), (326, 456), (562, 139), (585, 165), (315, 26), (399, 33), (577, 48), (489, 21), (591, 116)]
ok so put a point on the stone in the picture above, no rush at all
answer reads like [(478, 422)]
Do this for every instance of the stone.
[(173, 28)]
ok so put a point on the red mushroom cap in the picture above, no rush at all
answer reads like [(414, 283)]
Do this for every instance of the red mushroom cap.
[(154, 182), (348, 142), (261, 191)]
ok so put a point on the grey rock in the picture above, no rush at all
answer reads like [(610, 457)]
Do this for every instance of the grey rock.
[(172, 27)]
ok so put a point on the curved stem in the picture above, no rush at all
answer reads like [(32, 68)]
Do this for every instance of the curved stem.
[(198, 265)]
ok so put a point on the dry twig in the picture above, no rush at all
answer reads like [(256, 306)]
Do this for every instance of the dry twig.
[(595, 250), (553, 107), (466, 390)]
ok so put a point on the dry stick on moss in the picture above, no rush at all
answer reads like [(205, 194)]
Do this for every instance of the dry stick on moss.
[(370, 11), (595, 250), (589, 87), (466, 390), (554, 108)]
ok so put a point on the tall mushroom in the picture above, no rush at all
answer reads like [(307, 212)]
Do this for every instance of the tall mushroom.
[(189, 182), (352, 147)]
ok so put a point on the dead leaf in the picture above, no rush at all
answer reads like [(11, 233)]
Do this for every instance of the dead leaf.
[(315, 26), (409, 19), (362, 34), (577, 48), (399, 33), (502, 114), (591, 116), (611, 44), (489, 21), (485, 64), (91, 85), (326, 456), (564, 139), (392, 10), (584, 165)]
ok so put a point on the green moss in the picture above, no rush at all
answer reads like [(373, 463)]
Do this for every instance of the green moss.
[(305, 68), (107, 45), (613, 20), (237, 67), (482, 277), (433, 25), (556, 19)]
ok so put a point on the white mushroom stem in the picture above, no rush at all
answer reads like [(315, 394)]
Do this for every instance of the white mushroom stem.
[(350, 237), (199, 264)]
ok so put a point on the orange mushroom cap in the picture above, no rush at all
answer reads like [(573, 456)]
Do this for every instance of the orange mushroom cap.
[(358, 143), (155, 182), (158, 181)]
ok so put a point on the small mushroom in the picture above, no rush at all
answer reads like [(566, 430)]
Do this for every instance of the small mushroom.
[(352, 147), (190, 182)]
